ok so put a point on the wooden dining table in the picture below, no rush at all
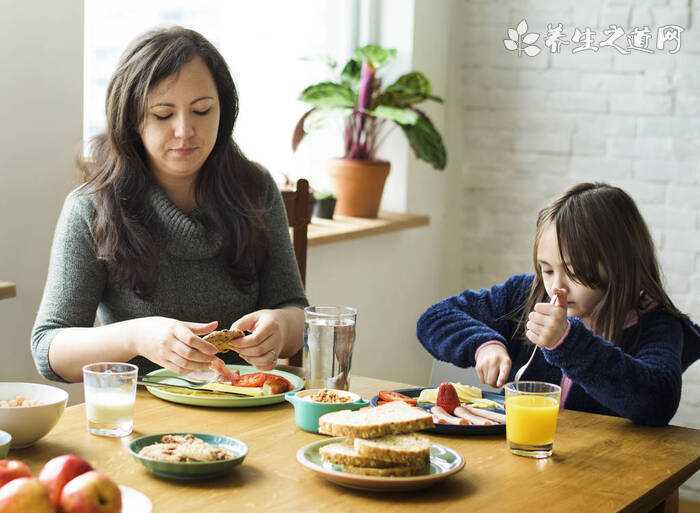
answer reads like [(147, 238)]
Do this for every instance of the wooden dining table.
[(600, 464)]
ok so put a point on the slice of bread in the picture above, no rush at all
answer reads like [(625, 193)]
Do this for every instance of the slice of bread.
[(408, 449), (387, 472), (344, 453), (388, 419), (222, 339)]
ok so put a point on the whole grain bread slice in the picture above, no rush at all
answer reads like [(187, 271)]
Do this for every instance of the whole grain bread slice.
[(344, 453), (387, 472), (392, 418), (222, 339), (410, 449)]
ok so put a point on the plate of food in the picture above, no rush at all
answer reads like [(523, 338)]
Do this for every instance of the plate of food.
[(377, 449), (238, 386), (456, 409), (188, 456)]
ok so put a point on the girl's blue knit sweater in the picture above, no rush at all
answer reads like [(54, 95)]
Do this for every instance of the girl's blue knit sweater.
[(644, 387)]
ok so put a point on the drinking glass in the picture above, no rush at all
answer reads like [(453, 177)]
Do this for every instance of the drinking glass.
[(110, 392), (329, 338), (532, 408)]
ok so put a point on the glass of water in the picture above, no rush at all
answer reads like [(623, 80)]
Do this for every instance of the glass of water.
[(110, 392), (329, 338)]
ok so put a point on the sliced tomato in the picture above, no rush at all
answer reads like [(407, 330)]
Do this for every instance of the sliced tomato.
[(275, 385), (256, 379), (388, 396)]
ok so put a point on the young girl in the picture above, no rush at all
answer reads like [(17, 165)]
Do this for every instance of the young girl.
[(613, 339)]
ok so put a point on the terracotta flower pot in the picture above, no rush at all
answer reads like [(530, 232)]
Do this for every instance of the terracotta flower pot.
[(358, 185)]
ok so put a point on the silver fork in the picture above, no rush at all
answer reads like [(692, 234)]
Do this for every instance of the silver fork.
[(522, 369)]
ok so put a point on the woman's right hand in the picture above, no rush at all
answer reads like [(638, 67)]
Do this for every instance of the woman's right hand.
[(493, 365), (173, 344)]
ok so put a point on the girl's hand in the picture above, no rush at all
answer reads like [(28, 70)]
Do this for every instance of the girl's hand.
[(173, 344), (493, 365), (265, 344), (547, 323)]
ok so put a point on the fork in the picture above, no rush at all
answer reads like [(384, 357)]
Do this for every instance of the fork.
[(522, 369)]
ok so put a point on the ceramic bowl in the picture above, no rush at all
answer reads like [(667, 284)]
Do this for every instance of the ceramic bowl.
[(194, 470), (5, 439), (307, 411), (27, 424)]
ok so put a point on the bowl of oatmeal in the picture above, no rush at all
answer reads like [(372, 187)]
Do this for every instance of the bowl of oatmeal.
[(309, 405), (188, 456), (28, 411)]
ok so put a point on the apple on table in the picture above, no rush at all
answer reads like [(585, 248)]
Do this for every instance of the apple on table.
[(13, 469), (25, 495), (91, 492), (59, 471)]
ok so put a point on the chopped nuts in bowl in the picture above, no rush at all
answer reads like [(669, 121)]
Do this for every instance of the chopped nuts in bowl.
[(188, 456)]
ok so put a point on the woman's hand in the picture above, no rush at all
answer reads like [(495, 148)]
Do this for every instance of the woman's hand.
[(274, 334), (493, 365), (173, 344), (547, 323)]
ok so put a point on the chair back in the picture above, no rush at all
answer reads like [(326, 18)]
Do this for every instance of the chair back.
[(296, 202)]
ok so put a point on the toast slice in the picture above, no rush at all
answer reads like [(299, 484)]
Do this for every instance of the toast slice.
[(392, 418), (222, 339), (344, 453), (402, 450), (387, 472)]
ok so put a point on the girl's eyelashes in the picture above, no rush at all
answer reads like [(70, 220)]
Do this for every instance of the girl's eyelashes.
[(163, 117)]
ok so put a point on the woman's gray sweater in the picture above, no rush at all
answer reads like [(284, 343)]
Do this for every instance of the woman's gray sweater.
[(192, 283)]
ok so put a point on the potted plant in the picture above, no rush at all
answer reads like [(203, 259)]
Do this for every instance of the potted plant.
[(324, 205), (366, 108)]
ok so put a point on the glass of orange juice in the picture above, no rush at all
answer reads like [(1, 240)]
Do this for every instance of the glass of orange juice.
[(532, 408), (110, 393)]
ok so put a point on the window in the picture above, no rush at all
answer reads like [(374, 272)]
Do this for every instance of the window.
[(264, 43)]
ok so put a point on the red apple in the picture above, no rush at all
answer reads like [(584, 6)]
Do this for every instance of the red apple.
[(13, 469), (25, 495), (92, 492), (58, 471)]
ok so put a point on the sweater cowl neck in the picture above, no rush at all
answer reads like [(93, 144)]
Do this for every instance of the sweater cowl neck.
[(181, 235)]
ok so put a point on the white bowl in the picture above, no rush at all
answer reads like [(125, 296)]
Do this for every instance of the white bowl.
[(27, 424)]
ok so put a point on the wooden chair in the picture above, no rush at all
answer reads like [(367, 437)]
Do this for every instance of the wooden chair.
[(297, 202)]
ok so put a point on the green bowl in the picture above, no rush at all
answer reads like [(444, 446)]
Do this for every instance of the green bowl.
[(195, 470), (5, 440), (307, 412)]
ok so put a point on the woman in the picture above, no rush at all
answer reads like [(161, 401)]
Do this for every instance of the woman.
[(172, 225)]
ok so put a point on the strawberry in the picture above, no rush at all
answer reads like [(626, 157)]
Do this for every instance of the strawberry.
[(447, 398)]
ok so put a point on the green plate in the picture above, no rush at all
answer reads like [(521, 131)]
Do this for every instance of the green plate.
[(190, 471), (220, 400), (443, 463)]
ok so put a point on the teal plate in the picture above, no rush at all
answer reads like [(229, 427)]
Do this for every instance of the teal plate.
[(220, 400), (190, 471), (443, 463)]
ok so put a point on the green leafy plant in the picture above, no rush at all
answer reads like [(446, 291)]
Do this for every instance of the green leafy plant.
[(365, 106), (323, 195)]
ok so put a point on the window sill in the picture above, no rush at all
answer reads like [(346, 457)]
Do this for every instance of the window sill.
[(341, 228), (7, 290)]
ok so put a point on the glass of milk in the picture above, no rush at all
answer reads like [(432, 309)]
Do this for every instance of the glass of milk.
[(110, 392)]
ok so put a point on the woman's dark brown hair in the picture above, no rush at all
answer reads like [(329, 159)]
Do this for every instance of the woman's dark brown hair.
[(228, 190), (606, 243)]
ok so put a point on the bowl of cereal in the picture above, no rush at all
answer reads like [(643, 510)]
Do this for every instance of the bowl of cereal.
[(188, 456), (309, 405), (28, 411)]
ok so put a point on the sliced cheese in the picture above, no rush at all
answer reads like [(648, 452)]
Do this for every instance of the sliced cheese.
[(222, 387), (466, 394)]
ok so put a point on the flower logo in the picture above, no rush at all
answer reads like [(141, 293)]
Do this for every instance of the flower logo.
[(519, 40)]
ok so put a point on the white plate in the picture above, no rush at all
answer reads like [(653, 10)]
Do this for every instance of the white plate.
[(134, 501)]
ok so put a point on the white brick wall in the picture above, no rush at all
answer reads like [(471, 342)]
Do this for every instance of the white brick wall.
[(534, 126)]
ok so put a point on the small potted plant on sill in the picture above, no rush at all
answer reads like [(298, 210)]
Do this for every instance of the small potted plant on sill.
[(324, 205), (366, 108)]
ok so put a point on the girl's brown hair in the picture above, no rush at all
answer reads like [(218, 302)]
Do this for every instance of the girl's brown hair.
[(229, 188), (607, 246)]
